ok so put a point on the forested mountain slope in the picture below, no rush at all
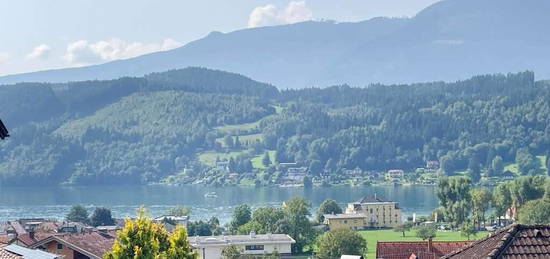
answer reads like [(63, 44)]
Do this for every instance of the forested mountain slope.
[(143, 130)]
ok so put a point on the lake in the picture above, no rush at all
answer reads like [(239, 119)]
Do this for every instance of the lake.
[(55, 202)]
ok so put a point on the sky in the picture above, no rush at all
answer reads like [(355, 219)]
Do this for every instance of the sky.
[(48, 34)]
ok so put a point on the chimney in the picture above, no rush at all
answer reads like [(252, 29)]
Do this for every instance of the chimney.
[(252, 234), (31, 233), (430, 245)]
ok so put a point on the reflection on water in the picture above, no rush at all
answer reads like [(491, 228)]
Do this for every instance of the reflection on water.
[(54, 202)]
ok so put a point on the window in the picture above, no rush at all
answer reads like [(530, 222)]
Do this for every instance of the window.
[(59, 246), (255, 247), (370, 211)]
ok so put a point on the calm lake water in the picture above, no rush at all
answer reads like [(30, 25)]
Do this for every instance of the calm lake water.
[(55, 202)]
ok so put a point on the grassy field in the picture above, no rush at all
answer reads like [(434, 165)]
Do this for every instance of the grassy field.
[(372, 236), (513, 167), (243, 139), (209, 157), (257, 160)]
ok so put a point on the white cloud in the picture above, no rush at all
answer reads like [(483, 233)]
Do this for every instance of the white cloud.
[(83, 53), (40, 52), (295, 11), (4, 58)]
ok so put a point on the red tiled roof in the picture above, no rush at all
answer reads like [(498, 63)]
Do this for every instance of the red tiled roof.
[(4, 254), (513, 242), (93, 244), (4, 239), (401, 250)]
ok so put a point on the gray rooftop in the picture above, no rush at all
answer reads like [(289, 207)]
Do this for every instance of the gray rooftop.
[(30, 253), (240, 239)]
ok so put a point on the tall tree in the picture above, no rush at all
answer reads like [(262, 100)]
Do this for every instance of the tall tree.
[(78, 214), (338, 242), (498, 165), (406, 226), (468, 229), (297, 213), (535, 212), (101, 217), (481, 201), (143, 238), (454, 197), (241, 215), (328, 206), (266, 160), (502, 199)]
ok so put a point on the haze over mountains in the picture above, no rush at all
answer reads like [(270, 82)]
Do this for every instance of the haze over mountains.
[(449, 40)]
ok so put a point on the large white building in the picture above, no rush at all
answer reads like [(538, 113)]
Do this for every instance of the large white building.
[(210, 247)]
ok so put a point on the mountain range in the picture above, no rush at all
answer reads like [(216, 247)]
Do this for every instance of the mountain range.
[(450, 40)]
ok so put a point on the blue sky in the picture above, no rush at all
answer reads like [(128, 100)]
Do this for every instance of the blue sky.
[(45, 34)]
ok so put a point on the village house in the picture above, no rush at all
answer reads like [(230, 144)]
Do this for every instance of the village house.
[(178, 220), (380, 212), (432, 165), (395, 174), (417, 249), (295, 174), (514, 241), (222, 166), (77, 246), (355, 221), (210, 247), (18, 252)]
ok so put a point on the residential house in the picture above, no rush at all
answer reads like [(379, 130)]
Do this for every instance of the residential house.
[(395, 174), (355, 221), (222, 166), (179, 220), (514, 241), (210, 247), (432, 165), (508, 175), (18, 252), (417, 249), (77, 246), (380, 212), (296, 174)]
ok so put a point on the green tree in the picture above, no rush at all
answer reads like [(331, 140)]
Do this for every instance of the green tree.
[(101, 217), (502, 199), (468, 229), (328, 206), (338, 242), (454, 197), (179, 211), (426, 232), (78, 214), (143, 238), (266, 160), (179, 245), (231, 252), (229, 143), (548, 163), (535, 212), (527, 163), (241, 216), (297, 213), (405, 227), (264, 220), (527, 188), (481, 201), (497, 165)]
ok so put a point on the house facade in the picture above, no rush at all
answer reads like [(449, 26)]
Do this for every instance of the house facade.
[(211, 247), (379, 212), (354, 221)]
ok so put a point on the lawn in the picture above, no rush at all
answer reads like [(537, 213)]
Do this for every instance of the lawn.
[(372, 236), (209, 157), (252, 138), (513, 167), (234, 129), (257, 160)]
